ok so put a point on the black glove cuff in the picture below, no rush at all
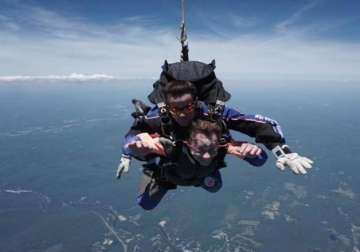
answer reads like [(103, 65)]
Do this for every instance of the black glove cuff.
[(280, 151)]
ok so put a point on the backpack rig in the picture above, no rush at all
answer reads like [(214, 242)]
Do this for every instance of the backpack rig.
[(210, 90)]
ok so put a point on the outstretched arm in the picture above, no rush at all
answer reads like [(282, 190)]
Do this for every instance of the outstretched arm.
[(247, 151), (268, 132), (141, 146), (149, 123), (264, 129), (146, 144)]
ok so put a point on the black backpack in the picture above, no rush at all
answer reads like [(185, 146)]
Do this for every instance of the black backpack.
[(209, 89)]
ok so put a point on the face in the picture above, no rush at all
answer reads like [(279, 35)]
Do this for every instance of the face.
[(182, 109), (203, 148)]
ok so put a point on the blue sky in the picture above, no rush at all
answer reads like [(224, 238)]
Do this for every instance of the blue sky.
[(316, 39)]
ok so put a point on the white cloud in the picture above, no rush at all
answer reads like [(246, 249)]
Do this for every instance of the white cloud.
[(70, 77), (60, 45), (296, 16), (239, 21), (7, 24)]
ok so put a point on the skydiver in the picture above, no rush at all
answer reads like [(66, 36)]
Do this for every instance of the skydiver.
[(193, 162)]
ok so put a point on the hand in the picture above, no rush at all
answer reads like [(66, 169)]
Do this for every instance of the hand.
[(245, 150), (296, 163), (168, 145), (140, 148), (123, 167)]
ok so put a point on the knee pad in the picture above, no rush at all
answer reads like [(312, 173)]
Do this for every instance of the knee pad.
[(212, 184)]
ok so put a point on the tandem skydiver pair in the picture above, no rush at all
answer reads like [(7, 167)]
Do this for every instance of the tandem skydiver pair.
[(185, 137)]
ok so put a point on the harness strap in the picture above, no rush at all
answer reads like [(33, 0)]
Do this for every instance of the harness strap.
[(166, 124)]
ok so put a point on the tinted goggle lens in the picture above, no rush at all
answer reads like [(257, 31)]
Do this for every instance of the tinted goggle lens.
[(187, 109)]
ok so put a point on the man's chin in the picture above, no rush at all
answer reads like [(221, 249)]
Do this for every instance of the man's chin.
[(184, 123), (204, 162)]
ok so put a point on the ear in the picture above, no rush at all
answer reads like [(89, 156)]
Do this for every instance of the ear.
[(165, 67), (213, 64)]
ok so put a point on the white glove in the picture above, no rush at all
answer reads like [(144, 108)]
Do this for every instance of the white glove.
[(124, 166), (296, 163)]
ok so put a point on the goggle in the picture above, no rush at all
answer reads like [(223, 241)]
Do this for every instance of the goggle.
[(184, 110), (199, 151)]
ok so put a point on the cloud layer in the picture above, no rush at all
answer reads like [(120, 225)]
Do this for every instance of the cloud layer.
[(70, 77), (43, 43)]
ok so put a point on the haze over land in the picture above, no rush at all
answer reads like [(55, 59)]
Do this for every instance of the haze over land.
[(60, 144)]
